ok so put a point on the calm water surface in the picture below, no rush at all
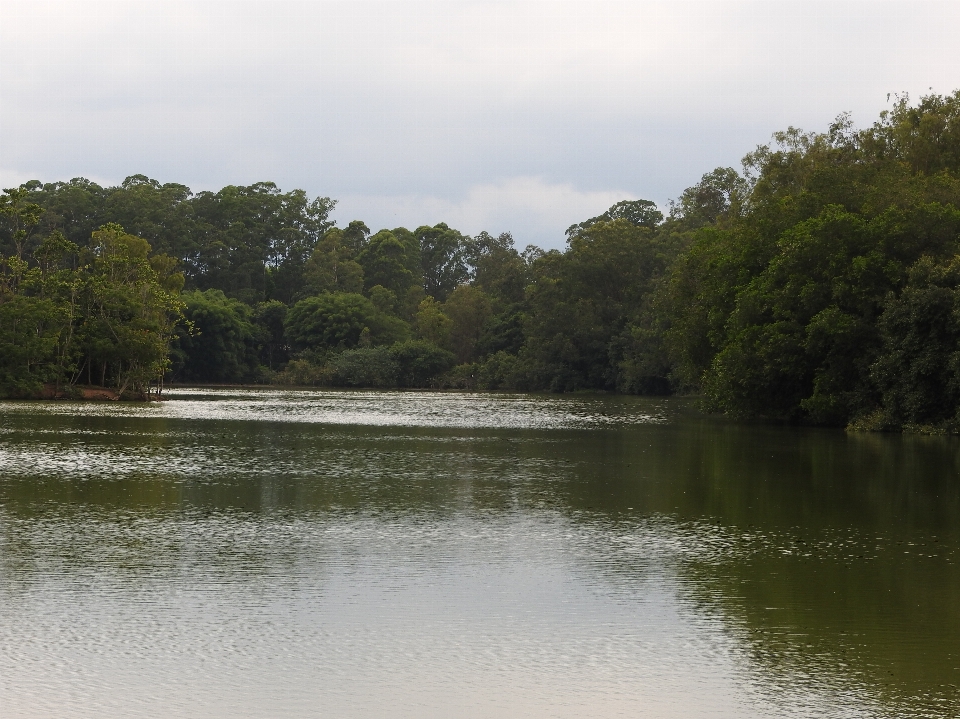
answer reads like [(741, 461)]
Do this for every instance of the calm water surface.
[(364, 554)]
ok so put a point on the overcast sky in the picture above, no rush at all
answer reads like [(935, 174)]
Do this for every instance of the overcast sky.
[(519, 116)]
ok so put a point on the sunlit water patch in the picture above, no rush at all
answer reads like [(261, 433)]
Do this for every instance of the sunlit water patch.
[(403, 409)]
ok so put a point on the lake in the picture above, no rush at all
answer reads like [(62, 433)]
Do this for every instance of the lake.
[(272, 553)]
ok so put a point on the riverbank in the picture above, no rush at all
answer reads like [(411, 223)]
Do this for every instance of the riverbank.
[(90, 393)]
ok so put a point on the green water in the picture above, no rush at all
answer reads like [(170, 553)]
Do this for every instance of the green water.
[(361, 554)]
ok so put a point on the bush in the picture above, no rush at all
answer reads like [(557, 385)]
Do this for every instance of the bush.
[(304, 373), (364, 367), (503, 370), (420, 363), (329, 320), (463, 376), (337, 321)]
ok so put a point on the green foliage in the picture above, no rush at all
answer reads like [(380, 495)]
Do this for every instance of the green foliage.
[(333, 321), (503, 332), (332, 267), (21, 218), (580, 301), (129, 314), (270, 318), (819, 285), (817, 289), (251, 242), (412, 363), (383, 299), (720, 194), (918, 368), (305, 373), (222, 343), (364, 367), (432, 323), (29, 333), (641, 213), (329, 321), (443, 259), (502, 370), (355, 236), (386, 263), (469, 310), (111, 305), (498, 269), (645, 367), (420, 363)]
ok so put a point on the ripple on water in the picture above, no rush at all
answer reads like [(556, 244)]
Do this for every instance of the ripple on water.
[(398, 409), (356, 614), (415, 570)]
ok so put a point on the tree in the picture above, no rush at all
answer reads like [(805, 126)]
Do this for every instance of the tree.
[(251, 242), (469, 311), (442, 254), (641, 213), (795, 299), (21, 217), (383, 299), (61, 281), (269, 318), (498, 269), (918, 368), (719, 193), (580, 302), (332, 266), (355, 236), (365, 367), (130, 311), (432, 324), (384, 261), (336, 321), (222, 346), (29, 333)]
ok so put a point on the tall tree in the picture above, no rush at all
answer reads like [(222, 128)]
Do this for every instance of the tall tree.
[(332, 267), (130, 310), (442, 254), (385, 263)]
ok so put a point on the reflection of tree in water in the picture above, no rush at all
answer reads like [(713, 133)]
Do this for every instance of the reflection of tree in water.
[(844, 559), (832, 557), (822, 611)]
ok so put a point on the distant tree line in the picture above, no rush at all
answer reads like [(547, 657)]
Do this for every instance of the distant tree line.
[(819, 284)]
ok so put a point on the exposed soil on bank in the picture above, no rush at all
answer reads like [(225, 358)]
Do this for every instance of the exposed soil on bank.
[(80, 393)]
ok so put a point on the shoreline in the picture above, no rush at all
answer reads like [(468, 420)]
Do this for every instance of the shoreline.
[(86, 393)]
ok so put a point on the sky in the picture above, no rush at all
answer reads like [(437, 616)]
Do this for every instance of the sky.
[(501, 116)]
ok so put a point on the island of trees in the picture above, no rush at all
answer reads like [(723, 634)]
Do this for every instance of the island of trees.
[(820, 284)]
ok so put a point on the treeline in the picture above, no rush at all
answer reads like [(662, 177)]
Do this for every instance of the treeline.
[(819, 284)]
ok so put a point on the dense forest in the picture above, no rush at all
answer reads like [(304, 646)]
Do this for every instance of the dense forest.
[(818, 284)]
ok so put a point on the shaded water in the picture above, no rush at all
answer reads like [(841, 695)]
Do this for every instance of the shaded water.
[(360, 554)]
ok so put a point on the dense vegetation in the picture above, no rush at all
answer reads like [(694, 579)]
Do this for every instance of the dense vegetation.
[(820, 284)]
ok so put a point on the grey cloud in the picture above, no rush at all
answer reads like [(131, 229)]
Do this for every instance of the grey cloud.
[(437, 101)]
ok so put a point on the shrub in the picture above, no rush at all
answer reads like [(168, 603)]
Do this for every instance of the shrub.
[(364, 367), (420, 363), (305, 373)]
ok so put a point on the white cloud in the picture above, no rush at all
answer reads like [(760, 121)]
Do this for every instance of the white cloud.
[(533, 209)]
